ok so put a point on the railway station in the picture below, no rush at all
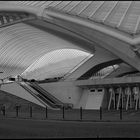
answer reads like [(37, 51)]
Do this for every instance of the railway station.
[(71, 54)]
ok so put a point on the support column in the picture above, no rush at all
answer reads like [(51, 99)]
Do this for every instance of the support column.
[(129, 99), (120, 99), (112, 98), (136, 92)]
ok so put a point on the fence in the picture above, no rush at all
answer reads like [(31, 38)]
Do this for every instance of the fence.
[(71, 114)]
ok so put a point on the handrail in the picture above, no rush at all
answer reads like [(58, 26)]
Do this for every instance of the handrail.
[(46, 101), (27, 89), (45, 97), (44, 91), (54, 99)]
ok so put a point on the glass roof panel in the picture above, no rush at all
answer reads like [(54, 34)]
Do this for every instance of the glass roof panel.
[(54, 64)]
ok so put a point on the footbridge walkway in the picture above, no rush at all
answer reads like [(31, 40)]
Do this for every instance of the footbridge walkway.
[(108, 82)]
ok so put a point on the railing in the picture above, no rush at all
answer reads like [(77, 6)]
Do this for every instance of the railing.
[(30, 112)]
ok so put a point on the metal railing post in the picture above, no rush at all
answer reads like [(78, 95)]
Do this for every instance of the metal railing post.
[(16, 111), (46, 112), (30, 111), (120, 112), (63, 112), (100, 113), (3, 110), (81, 113)]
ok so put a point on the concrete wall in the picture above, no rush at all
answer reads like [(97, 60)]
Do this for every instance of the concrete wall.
[(67, 92), (83, 99), (93, 99), (17, 90)]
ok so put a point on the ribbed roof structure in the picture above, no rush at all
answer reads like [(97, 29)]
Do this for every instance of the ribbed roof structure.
[(120, 15), (23, 47)]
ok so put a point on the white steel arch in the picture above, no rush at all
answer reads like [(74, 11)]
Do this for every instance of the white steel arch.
[(21, 45), (120, 24), (56, 63)]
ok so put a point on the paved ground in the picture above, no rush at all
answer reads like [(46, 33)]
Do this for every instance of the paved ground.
[(26, 128)]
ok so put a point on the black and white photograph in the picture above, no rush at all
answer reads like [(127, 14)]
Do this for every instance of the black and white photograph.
[(69, 69)]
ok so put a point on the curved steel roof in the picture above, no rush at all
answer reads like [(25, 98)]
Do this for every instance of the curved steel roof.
[(121, 15), (21, 45), (55, 64), (18, 42)]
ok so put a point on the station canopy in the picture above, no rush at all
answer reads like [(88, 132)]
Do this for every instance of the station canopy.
[(33, 53)]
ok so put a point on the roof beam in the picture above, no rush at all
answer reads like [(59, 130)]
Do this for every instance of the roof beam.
[(102, 2), (110, 11), (108, 81), (73, 6), (62, 5), (124, 15), (137, 24), (84, 8)]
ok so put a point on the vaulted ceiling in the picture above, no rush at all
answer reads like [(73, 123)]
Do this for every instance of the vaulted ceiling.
[(121, 15), (22, 45)]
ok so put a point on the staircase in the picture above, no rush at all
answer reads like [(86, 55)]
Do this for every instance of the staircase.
[(43, 96), (38, 96)]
